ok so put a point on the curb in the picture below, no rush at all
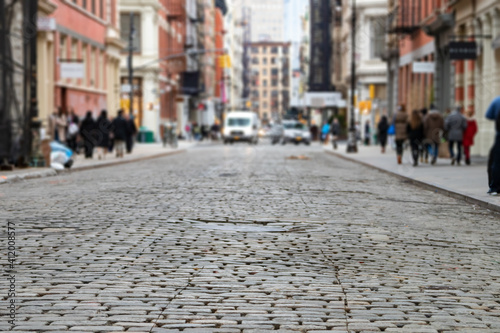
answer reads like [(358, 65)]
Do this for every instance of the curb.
[(52, 172), (427, 186)]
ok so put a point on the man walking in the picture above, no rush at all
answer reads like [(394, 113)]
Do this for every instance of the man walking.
[(120, 127), (493, 113), (455, 125), (335, 130), (433, 127)]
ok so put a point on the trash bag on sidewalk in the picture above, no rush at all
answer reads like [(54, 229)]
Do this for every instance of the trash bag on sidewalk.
[(61, 156)]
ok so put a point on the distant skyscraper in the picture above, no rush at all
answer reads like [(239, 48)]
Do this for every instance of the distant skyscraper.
[(293, 11), (267, 19)]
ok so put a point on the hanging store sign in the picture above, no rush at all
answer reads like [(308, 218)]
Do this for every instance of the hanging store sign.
[(46, 23), (324, 99), (424, 67), (463, 50), (72, 70)]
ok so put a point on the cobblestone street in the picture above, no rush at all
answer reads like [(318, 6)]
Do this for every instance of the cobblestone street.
[(243, 239)]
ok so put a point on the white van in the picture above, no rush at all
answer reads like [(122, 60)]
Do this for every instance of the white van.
[(241, 126)]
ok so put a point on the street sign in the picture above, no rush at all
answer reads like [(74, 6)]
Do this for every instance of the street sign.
[(323, 99), (72, 70), (46, 23), (425, 67), (463, 50)]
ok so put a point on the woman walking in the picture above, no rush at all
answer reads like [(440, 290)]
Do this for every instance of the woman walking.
[(87, 129), (469, 134), (416, 135), (401, 126), (103, 125), (61, 122), (383, 127)]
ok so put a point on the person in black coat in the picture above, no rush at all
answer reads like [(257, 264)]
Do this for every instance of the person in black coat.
[(103, 126), (383, 127), (119, 129), (88, 134), (131, 132), (416, 135)]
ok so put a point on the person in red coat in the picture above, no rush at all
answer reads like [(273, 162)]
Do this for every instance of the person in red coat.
[(469, 134)]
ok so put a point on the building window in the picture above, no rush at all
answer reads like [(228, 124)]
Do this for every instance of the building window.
[(273, 60), (377, 42), (92, 66), (285, 50), (255, 50), (62, 47), (255, 60), (264, 61), (101, 8), (84, 4), (264, 49), (264, 83), (274, 50), (274, 71), (255, 93), (264, 72), (274, 82), (264, 93), (93, 7), (84, 59), (264, 105), (274, 93), (125, 30)]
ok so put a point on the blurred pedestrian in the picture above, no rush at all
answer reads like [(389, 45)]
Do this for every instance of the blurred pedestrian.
[(131, 133), (401, 127), (469, 134), (52, 126), (187, 129), (416, 135), (383, 127), (215, 131), (335, 130), (425, 150), (61, 126), (87, 133), (325, 130), (493, 113), (103, 126), (119, 129), (433, 129), (314, 131), (204, 132), (368, 132), (73, 130), (455, 125), (196, 131)]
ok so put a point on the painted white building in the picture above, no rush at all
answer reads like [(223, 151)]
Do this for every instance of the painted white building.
[(371, 18), (267, 20), (233, 43)]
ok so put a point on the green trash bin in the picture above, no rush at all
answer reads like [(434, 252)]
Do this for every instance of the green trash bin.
[(145, 135)]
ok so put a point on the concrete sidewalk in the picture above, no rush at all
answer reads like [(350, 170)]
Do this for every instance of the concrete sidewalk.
[(468, 183), (141, 151)]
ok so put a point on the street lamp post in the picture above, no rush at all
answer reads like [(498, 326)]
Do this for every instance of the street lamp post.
[(351, 143)]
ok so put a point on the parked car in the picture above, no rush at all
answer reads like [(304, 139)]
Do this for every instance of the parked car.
[(295, 132), (241, 126)]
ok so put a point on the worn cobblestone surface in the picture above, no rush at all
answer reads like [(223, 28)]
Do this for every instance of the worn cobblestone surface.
[(241, 239)]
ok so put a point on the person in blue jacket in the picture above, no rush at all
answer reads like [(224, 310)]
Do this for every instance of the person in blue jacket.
[(493, 113)]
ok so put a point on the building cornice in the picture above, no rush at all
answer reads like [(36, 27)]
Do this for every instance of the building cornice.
[(140, 3), (46, 7)]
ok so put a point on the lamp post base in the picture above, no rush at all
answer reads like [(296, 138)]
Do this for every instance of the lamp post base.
[(352, 146)]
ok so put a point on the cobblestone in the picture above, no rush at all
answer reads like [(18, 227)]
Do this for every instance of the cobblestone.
[(240, 239)]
